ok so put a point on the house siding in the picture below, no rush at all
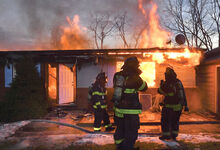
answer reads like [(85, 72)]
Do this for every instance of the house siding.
[(206, 82), (87, 73), (186, 74)]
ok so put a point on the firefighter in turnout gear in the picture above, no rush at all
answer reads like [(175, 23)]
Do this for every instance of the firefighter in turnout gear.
[(173, 104), (127, 107), (97, 97)]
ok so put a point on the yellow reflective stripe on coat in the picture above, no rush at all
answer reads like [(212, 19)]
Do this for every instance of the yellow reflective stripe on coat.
[(130, 91), (120, 115), (170, 94), (103, 106), (119, 141), (97, 103), (128, 111), (176, 107), (167, 94), (142, 86), (98, 93), (108, 125), (97, 129)]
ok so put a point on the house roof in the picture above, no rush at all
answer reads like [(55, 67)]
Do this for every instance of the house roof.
[(69, 56), (212, 56)]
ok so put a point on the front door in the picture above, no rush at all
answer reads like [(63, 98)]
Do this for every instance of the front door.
[(66, 85)]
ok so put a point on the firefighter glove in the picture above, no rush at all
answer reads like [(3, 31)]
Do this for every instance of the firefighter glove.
[(161, 82), (186, 109), (161, 104)]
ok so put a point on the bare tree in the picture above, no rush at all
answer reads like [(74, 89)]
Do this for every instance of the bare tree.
[(190, 17), (101, 26), (129, 32), (120, 23), (137, 35), (215, 15)]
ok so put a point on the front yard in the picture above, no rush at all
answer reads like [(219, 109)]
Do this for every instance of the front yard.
[(29, 135)]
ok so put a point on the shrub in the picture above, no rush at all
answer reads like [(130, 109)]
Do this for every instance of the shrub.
[(26, 97)]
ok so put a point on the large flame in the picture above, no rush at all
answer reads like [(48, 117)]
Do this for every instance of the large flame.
[(148, 71), (186, 58), (153, 35), (73, 36)]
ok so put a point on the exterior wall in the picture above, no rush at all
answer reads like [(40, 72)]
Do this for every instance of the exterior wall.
[(187, 75), (86, 75), (206, 79), (2, 82)]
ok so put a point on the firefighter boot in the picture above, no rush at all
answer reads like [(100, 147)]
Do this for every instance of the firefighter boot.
[(109, 129), (173, 137), (97, 131), (165, 137)]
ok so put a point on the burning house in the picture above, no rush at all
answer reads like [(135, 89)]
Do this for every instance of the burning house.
[(69, 67), (68, 74)]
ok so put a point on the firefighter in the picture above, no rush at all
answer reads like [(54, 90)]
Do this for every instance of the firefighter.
[(97, 97), (174, 101), (127, 107)]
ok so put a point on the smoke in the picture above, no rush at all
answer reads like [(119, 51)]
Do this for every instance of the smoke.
[(38, 22), (41, 18)]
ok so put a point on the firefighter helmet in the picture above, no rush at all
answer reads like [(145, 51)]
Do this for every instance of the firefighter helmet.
[(170, 73), (131, 62), (101, 77)]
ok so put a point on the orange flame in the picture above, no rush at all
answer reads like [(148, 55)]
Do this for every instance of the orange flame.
[(192, 58), (148, 71), (73, 37), (52, 82), (154, 35), (184, 57)]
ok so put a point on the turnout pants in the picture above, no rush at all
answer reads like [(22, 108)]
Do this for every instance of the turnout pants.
[(126, 132), (170, 122), (101, 115)]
